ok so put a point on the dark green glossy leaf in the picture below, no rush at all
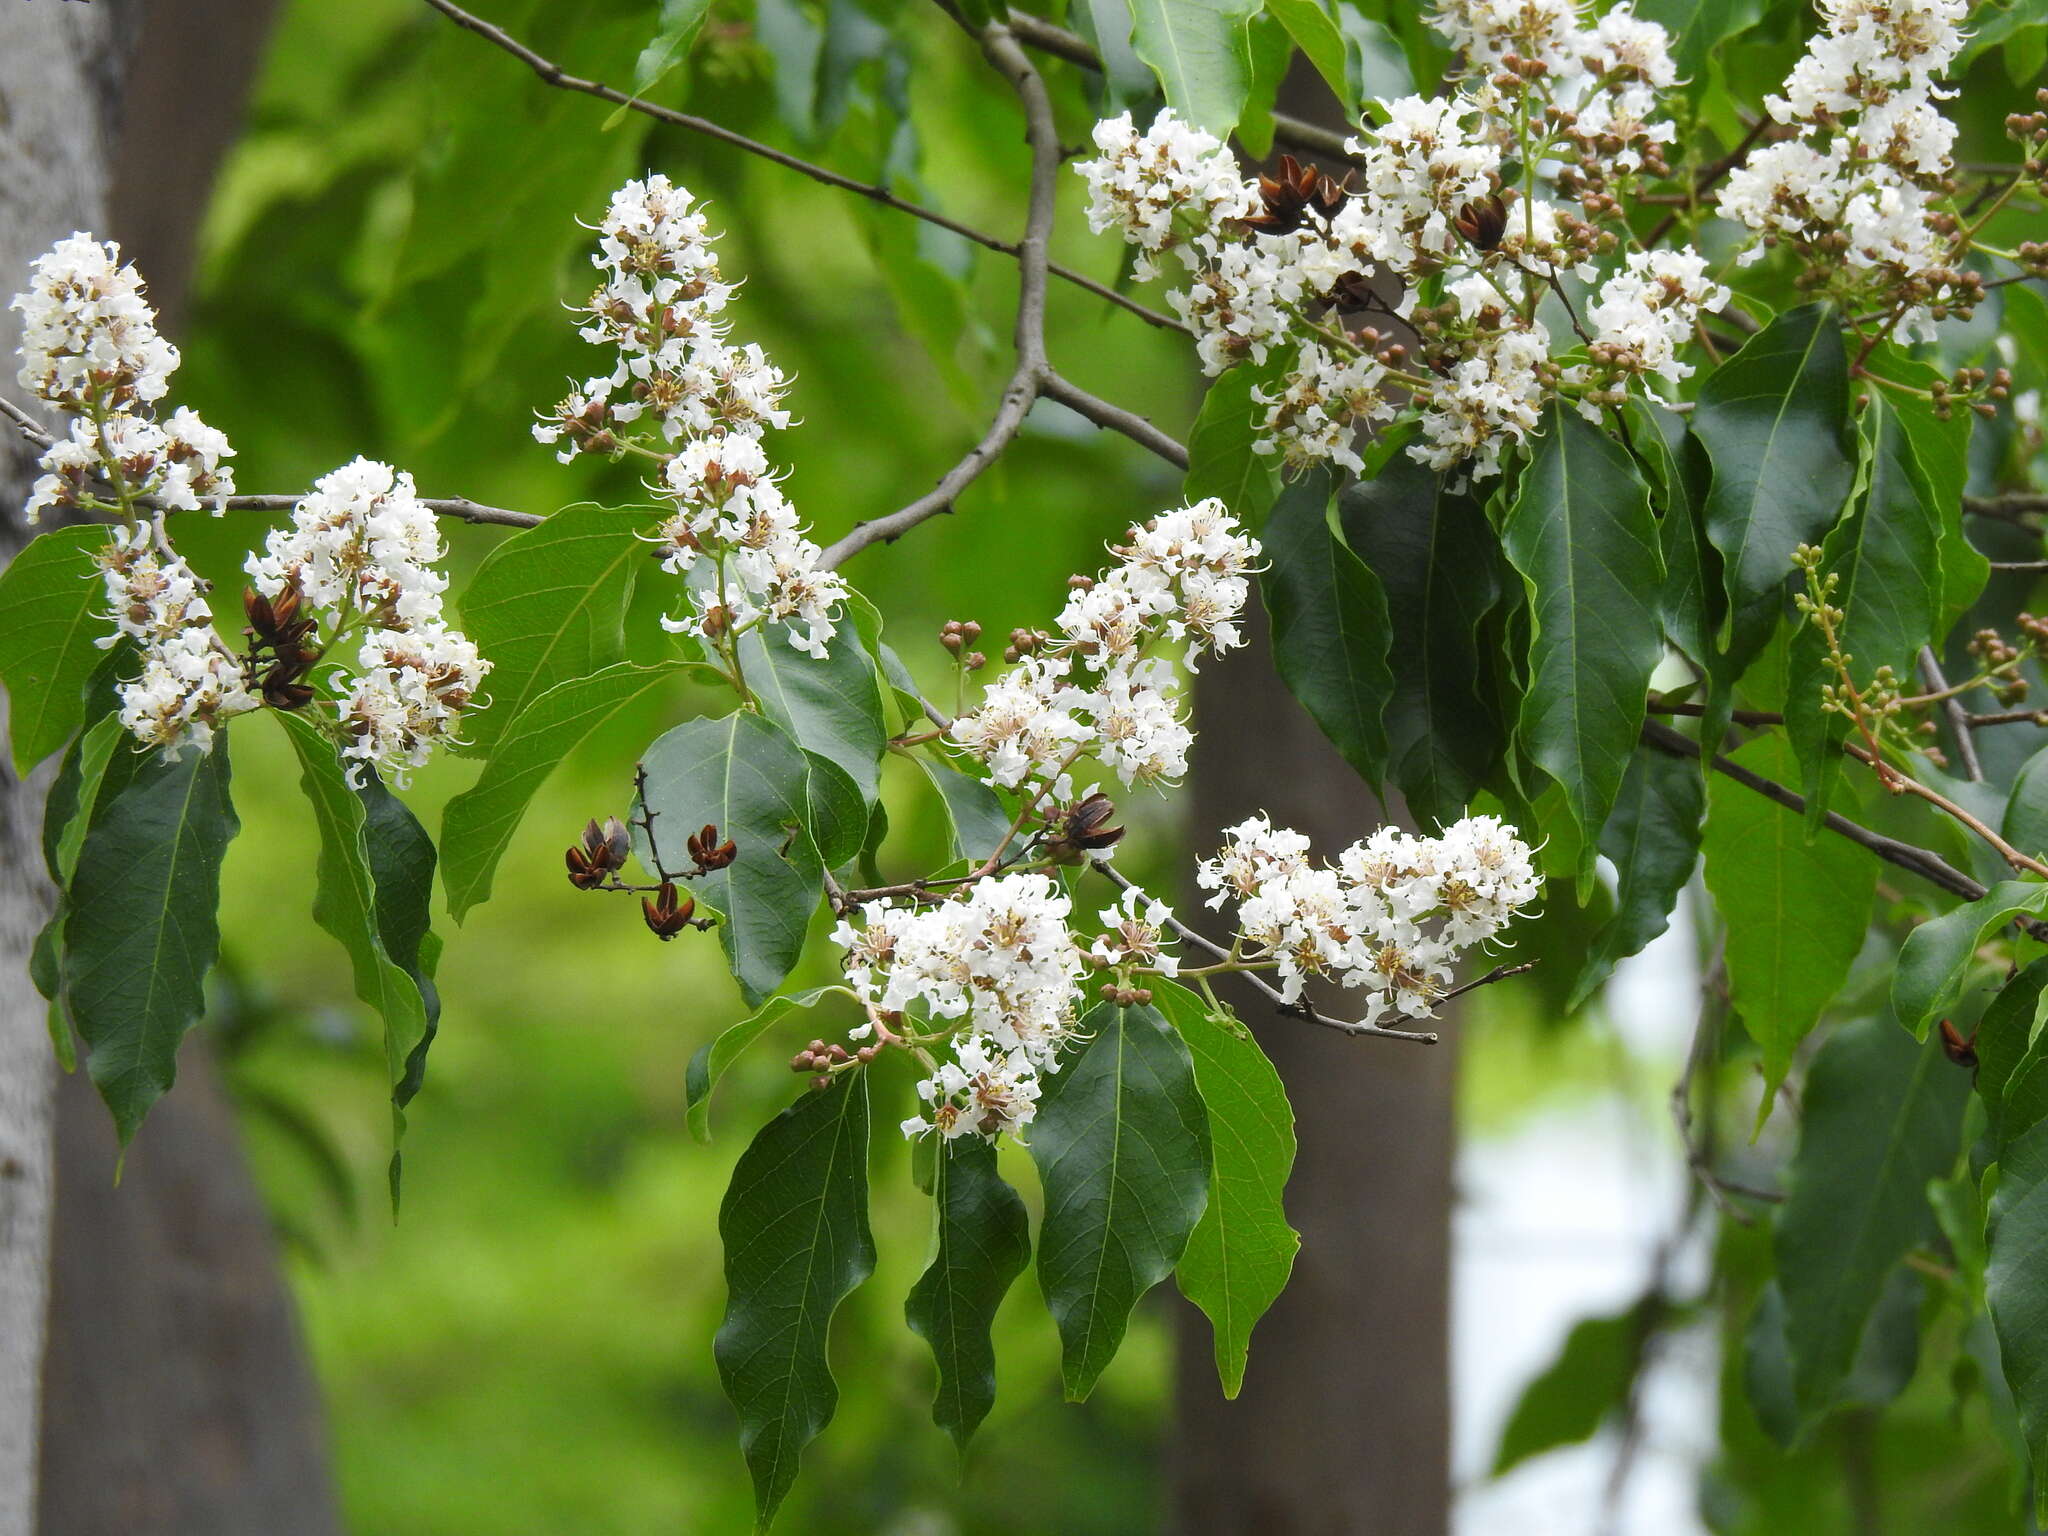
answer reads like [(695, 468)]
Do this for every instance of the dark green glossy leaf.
[(1936, 959), (1330, 627), (2016, 1290), (1221, 457), (2026, 811), (743, 775), (983, 1243), (549, 605), (795, 1228), (831, 707), (1122, 1147), (2005, 1043), (1796, 911), (1885, 558), (836, 814), (1438, 562), (976, 814), (1581, 535), (715, 1056), (1941, 449), (1881, 1115), (1652, 838), (50, 604), (142, 928), (1242, 1250), (1201, 53), (1774, 420), (479, 823)]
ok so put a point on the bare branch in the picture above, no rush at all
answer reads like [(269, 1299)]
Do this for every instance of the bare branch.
[(2009, 508), (554, 74), (1056, 386)]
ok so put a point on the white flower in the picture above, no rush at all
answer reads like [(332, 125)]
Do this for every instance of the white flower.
[(87, 332), (189, 684)]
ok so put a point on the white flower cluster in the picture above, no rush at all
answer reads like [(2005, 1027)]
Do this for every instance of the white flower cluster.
[(91, 348), (1859, 184), (190, 682), (1274, 267), (1643, 314), (1094, 690), (360, 554), (1390, 917), (1001, 959), (661, 307)]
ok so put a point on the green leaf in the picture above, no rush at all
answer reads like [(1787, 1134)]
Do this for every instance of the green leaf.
[(2005, 1045), (975, 812), (836, 815), (715, 1056), (743, 775), (1941, 449), (1697, 28), (1886, 561), (1581, 534), (1122, 1147), (1201, 54), (1880, 1117), (1330, 626), (549, 605), (1796, 911), (1652, 838), (983, 1243), (831, 707), (50, 625), (1774, 420), (2016, 1289), (795, 1228), (1222, 457), (2026, 811), (1242, 1250), (478, 825), (1438, 561), (1937, 956), (1574, 1395), (1321, 40), (142, 927)]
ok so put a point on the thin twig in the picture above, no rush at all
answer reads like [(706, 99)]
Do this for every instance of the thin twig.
[(1056, 386), (1905, 783), (1959, 721), (2010, 507), (554, 74)]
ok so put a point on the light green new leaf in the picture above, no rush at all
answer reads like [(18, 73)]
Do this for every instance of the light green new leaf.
[(1201, 53), (1330, 626), (549, 605), (715, 1056), (795, 1228), (982, 1244), (742, 774), (50, 623), (1774, 420), (142, 926), (1937, 956), (1242, 1250), (478, 825), (1885, 558), (1652, 838), (1581, 534), (2016, 1289), (1880, 1117), (1122, 1147), (1796, 911)]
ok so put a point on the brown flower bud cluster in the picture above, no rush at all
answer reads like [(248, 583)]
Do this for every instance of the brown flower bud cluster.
[(958, 636)]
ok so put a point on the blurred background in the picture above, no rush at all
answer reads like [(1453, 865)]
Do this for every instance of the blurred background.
[(379, 268)]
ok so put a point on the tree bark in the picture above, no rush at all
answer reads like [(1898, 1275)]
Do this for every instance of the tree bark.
[(1343, 1427)]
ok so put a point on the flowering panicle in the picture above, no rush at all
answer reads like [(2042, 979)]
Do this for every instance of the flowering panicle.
[(1857, 190), (1094, 690), (360, 556), (683, 394), (1390, 917), (190, 682)]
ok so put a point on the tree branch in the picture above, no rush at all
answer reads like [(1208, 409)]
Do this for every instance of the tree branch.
[(1056, 386), (555, 75), (1960, 724)]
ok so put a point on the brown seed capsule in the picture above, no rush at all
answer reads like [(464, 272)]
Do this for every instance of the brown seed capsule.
[(1483, 223), (1957, 1049), (708, 852), (667, 914), (1289, 197), (1083, 828)]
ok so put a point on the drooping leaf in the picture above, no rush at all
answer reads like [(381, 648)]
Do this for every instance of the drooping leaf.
[(1652, 837), (795, 1228), (974, 811), (1122, 1147), (142, 926), (478, 825), (1330, 626), (2016, 1290), (983, 1243), (836, 815), (1774, 420), (742, 774), (2026, 811), (1885, 560), (1438, 561), (1880, 1117), (712, 1059), (1201, 53), (50, 603), (831, 707), (1574, 1395), (1242, 1250), (1941, 449), (1316, 33), (2005, 1044), (1936, 959), (1581, 535), (1221, 457), (548, 605), (1796, 911)]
